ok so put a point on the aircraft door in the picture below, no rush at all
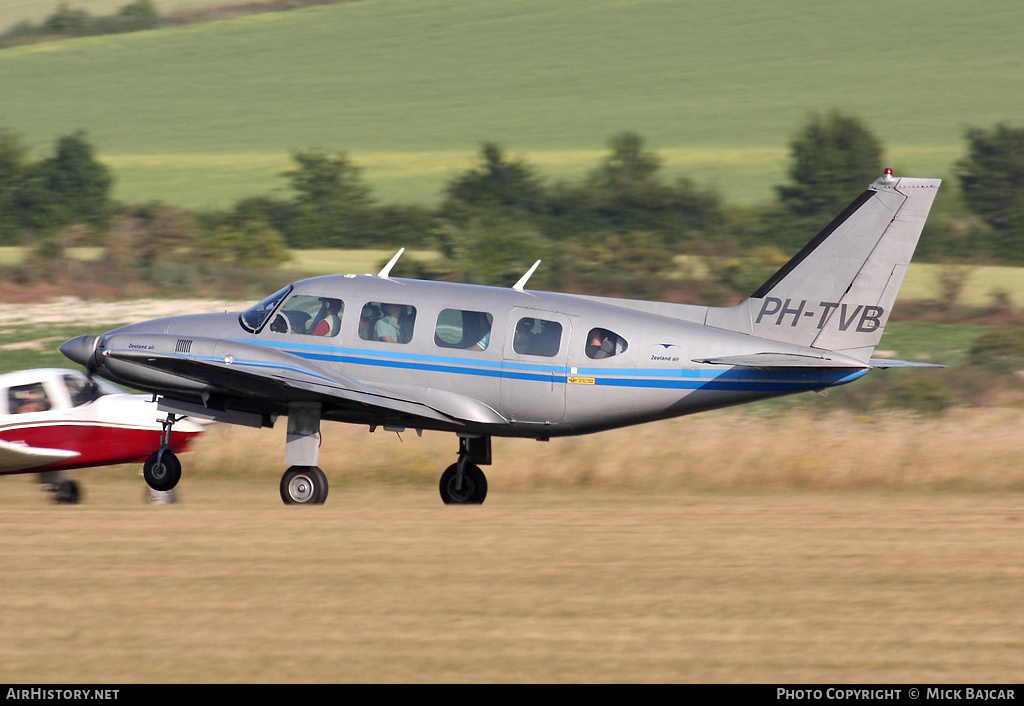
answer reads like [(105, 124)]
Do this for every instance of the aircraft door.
[(534, 366)]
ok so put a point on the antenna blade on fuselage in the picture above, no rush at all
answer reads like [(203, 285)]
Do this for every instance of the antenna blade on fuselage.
[(386, 272), (518, 286)]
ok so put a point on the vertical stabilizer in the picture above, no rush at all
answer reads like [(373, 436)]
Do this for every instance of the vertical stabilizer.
[(837, 292)]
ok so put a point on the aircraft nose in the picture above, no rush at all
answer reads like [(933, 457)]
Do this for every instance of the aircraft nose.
[(80, 350)]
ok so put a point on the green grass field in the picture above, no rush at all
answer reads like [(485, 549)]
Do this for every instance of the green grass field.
[(204, 114)]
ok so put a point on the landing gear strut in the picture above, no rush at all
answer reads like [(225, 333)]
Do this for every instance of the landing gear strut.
[(463, 483), (162, 469), (303, 483)]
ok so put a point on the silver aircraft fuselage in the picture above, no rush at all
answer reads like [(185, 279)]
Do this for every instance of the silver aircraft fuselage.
[(496, 391)]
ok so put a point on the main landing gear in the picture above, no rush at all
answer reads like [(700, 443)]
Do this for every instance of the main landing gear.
[(162, 470), (304, 485), (463, 483), (65, 490)]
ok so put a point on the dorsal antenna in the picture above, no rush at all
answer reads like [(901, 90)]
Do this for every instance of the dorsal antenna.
[(386, 272), (518, 286)]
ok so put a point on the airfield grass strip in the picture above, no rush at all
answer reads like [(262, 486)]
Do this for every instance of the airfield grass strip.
[(386, 584), (964, 450)]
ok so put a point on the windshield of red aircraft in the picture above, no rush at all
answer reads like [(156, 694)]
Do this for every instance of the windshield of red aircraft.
[(253, 318)]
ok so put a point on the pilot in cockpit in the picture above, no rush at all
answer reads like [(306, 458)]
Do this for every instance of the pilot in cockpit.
[(327, 322)]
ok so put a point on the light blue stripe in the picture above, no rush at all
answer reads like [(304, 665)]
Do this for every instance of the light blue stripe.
[(660, 378)]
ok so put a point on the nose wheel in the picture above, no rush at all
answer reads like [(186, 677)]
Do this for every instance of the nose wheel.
[(162, 470)]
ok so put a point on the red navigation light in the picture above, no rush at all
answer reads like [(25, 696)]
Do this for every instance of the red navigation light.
[(888, 173)]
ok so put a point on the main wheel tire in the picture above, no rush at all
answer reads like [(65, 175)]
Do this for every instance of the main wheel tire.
[(162, 470), (66, 493), (321, 479), (303, 485), (474, 485)]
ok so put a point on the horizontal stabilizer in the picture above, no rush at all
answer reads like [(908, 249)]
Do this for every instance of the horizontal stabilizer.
[(886, 363), (785, 360)]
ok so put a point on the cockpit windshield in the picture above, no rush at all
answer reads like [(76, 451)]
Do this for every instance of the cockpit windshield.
[(83, 390), (253, 318)]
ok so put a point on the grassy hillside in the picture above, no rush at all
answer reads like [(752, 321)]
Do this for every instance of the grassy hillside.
[(203, 114)]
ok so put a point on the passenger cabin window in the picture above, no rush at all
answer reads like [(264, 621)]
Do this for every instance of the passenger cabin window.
[(602, 343), (537, 337), (23, 399), (309, 316), (468, 330), (387, 322)]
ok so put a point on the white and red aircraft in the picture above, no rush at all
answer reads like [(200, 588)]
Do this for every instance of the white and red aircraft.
[(53, 420)]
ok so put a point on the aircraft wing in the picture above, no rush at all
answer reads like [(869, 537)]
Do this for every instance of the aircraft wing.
[(242, 370), (18, 457)]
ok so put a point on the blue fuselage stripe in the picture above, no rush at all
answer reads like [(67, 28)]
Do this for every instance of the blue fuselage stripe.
[(729, 380)]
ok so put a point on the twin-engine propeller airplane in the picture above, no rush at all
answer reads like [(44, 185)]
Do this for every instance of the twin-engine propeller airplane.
[(53, 420), (484, 361)]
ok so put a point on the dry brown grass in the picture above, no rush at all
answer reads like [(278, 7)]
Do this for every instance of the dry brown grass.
[(966, 449), (673, 559)]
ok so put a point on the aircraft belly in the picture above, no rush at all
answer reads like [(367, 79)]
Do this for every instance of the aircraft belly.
[(607, 398)]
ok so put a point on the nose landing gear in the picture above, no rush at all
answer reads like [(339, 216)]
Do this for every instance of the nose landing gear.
[(162, 470)]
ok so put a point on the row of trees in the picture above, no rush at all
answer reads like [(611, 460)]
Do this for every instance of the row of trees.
[(616, 230), (138, 15), (67, 21)]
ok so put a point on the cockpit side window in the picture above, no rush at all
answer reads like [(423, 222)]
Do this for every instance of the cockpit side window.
[(309, 315), (602, 343), (255, 317), (537, 337), (468, 330), (387, 322), (80, 390), (23, 399)]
